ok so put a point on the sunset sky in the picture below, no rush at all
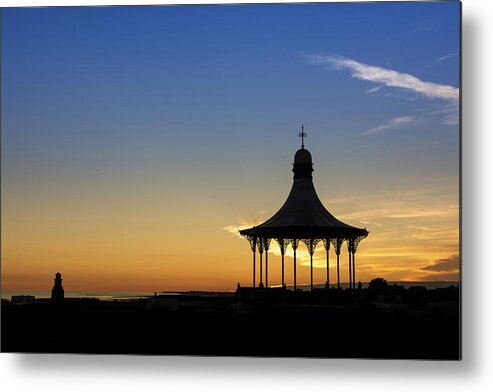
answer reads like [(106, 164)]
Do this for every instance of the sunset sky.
[(136, 141)]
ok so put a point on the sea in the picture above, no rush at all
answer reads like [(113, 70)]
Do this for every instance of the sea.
[(125, 296), (103, 296)]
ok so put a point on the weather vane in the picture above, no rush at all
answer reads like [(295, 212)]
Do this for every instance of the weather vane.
[(302, 135)]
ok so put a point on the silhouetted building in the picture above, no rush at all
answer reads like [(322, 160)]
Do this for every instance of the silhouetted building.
[(304, 218), (57, 293), (23, 299)]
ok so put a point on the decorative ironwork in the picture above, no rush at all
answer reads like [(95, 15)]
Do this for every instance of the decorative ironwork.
[(263, 243), (311, 244), (252, 240), (260, 245), (356, 242), (294, 243), (350, 244), (283, 245), (337, 244)]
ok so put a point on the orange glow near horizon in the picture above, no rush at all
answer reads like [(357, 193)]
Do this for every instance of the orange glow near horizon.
[(104, 247)]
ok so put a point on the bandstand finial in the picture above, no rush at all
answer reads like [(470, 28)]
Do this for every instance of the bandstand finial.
[(302, 135)]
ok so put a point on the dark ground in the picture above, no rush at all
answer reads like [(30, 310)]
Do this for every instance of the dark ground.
[(306, 327)]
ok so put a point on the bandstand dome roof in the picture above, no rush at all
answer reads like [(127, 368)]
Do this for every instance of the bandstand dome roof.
[(302, 156), (303, 216)]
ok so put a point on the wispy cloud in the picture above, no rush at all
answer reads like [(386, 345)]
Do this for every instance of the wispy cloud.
[(451, 119), (258, 218), (388, 77), (235, 229), (446, 57), (442, 58), (449, 115), (396, 122), (373, 90)]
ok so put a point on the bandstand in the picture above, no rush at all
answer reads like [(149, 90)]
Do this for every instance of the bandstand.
[(303, 218)]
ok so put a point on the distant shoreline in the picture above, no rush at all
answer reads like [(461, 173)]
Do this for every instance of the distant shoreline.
[(126, 295)]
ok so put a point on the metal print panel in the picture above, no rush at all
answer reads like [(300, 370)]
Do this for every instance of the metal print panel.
[(240, 180)]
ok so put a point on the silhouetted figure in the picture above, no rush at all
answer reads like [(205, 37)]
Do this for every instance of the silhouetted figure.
[(360, 285), (57, 293)]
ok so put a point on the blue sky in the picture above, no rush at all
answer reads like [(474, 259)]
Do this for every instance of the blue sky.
[(209, 99)]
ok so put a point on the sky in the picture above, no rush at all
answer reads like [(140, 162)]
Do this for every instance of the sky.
[(136, 141)]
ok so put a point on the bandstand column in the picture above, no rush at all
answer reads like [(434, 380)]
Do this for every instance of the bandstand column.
[(253, 268), (282, 269), (350, 272), (266, 268), (338, 273), (337, 243), (254, 245), (327, 257), (294, 244), (294, 271), (354, 271), (311, 271), (350, 265), (261, 284), (266, 246), (327, 248), (356, 241), (311, 249), (261, 251)]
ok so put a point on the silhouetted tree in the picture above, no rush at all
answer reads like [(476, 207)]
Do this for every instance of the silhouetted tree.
[(378, 284)]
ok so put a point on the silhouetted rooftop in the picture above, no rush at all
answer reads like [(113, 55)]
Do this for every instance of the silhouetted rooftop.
[(303, 215)]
